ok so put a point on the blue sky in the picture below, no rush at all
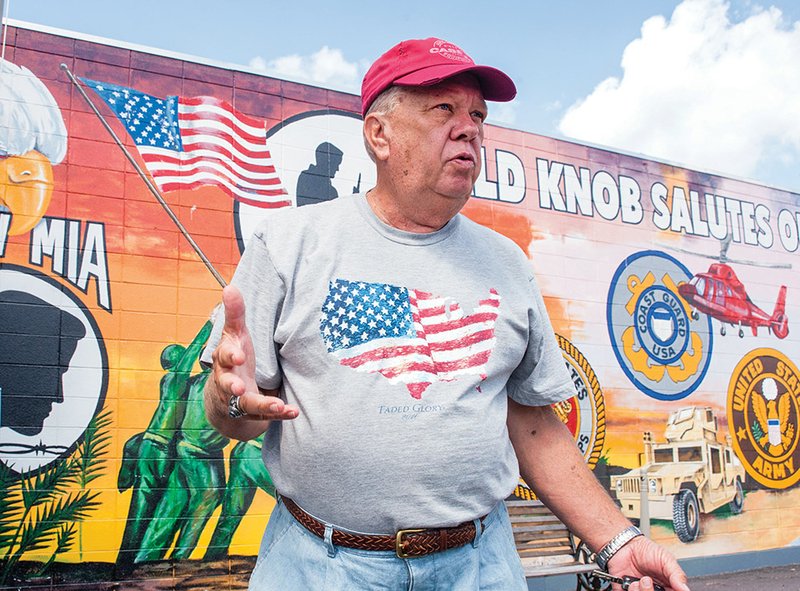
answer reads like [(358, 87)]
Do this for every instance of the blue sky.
[(711, 84)]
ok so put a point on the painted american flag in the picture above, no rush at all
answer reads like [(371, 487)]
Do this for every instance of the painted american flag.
[(408, 336), (187, 142)]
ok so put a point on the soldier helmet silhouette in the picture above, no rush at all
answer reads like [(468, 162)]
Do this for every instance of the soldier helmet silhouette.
[(39, 341)]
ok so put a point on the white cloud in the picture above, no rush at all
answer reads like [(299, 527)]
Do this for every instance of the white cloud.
[(702, 90), (503, 113), (326, 67)]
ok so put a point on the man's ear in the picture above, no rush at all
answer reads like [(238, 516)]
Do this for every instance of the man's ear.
[(376, 135)]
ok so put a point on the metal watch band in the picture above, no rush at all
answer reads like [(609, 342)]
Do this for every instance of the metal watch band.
[(617, 542)]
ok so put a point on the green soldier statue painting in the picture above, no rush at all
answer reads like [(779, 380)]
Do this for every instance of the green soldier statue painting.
[(247, 473), (149, 457), (195, 487)]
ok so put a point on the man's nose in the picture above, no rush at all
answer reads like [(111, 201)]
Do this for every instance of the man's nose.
[(465, 127)]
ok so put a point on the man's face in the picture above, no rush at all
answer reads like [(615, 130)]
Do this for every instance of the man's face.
[(435, 135)]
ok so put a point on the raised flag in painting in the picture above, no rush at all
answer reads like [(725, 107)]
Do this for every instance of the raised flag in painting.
[(406, 335), (187, 142)]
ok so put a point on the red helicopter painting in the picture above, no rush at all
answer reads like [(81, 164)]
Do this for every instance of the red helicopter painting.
[(719, 293)]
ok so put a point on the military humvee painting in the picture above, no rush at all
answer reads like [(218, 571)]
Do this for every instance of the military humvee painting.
[(691, 473)]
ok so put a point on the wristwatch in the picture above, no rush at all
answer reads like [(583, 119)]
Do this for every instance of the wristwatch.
[(617, 542)]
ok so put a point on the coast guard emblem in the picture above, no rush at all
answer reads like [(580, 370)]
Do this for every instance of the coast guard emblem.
[(763, 411), (660, 347)]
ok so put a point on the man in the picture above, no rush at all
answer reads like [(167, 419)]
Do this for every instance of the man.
[(387, 407)]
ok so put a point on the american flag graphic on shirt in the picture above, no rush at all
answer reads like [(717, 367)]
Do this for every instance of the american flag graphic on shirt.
[(407, 335), (187, 142)]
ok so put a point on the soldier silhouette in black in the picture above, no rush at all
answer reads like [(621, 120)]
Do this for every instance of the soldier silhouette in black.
[(37, 342), (314, 183)]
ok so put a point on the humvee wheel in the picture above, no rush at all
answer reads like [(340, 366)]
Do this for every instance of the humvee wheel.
[(686, 516), (737, 502)]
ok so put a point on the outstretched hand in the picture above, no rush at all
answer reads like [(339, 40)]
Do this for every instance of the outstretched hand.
[(643, 558), (235, 367)]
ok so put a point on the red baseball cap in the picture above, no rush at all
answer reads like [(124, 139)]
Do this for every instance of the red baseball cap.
[(424, 62)]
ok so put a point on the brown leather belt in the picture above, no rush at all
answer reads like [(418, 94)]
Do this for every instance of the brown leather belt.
[(407, 543)]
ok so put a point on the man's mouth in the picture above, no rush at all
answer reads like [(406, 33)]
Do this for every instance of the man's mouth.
[(463, 158)]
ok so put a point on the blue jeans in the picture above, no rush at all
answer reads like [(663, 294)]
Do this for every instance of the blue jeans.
[(293, 559)]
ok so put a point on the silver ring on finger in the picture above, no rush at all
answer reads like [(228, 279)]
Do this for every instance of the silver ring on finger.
[(234, 410)]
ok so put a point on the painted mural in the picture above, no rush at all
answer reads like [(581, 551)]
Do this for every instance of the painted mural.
[(130, 184)]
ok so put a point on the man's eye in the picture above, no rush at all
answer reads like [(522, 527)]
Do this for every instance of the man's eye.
[(479, 115), (444, 107)]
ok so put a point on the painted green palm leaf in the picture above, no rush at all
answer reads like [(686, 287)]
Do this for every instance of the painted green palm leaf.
[(46, 485), (39, 511), (89, 457), (11, 508), (40, 531), (64, 542)]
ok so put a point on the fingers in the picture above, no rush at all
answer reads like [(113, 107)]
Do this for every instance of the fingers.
[(679, 582), (233, 302), (229, 352), (229, 383), (267, 407), (647, 584), (643, 584), (234, 365)]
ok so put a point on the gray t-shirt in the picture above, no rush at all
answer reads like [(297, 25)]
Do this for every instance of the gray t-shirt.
[(400, 350)]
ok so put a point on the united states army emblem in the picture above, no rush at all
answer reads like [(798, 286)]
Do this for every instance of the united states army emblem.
[(763, 410)]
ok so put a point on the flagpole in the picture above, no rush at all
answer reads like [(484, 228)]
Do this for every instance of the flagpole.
[(153, 189)]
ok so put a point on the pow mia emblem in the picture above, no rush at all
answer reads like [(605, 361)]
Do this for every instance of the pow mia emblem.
[(53, 370), (661, 348), (763, 410), (319, 156)]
